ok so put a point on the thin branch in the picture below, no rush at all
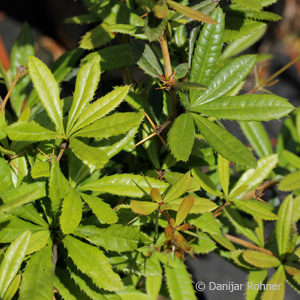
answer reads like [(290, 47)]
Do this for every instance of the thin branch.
[(166, 55)]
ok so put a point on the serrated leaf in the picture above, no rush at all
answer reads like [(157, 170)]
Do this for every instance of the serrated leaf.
[(253, 4), (207, 223), (71, 212), (179, 282), (13, 287), (5, 178), (291, 158), (181, 137), (37, 281), (154, 26), (92, 262), (97, 37), (116, 237), (290, 182), (93, 157), (146, 58), (261, 107), (278, 281), (86, 83), (223, 171), (223, 241), (224, 143), (101, 107), (134, 295), (47, 89), (102, 210), (180, 187), (38, 240), (143, 207), (205, 244), (58, 185), (30, 131), (261, 259), (113, 125), (207, 51), (284, 225), (21, 195), (265, 3), (12, 260), (255, 277), (124, 185), (153, 285), (226, 79), (255, 208), (191, 13), (258, 137), (253, 177)]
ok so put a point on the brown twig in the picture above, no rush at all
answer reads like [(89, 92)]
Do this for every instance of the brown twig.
[(166, 55)]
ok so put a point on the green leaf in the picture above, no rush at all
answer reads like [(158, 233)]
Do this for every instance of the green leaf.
[(184, 209), (154, 26), (93, 157), (101, 107), (21, 195), (143, 207), (92, 262), (181, 137), (253, 4), (254, 278), (86, 83), (134, 295), (261, 259), (180, 187), (113, 125), (179, 282), (13, 287), (205, 244), (207, 51), (259, 107), (255, 208), (5, 177), (223, 171), (12, 261), (153, 285), (71, 212), (224, 143), (58, 185), (258, 137), (265, 3), (22, 48), (97, 37), (191, 13), (291, 158), (102, 210), (124, 185), (146, 58), (290, 182), (37, 282), (116, 237), (284, 225), (278, 281), (226, 79), (30, 131), (47, 89), (253, 177), (38, 241)]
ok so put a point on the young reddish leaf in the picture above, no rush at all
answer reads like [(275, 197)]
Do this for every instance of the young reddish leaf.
[(155, 195), (184, 209), (143, 207)]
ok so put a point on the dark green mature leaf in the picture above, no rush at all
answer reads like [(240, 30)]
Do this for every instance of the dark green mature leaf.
[(154, 26), (284, 225), (255, 277), (86, 84), (101, 107), (71, 212), (102, 210), (146, 58), (224, 143), (91, 261), (21, 195), (181, 137), (30, 131), (97, 37), (207, 51), (124, 185), (258, 137), (115, 124), (47, 89), (12, 260), (278, 280), (290, 182), (37, 282), (179, 282), (116, 237), (22, 48), (93, 157), (261, 259), (227, 78), (260, 107)]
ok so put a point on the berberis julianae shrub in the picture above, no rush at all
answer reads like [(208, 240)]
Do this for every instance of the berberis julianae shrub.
[(102, 201)]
